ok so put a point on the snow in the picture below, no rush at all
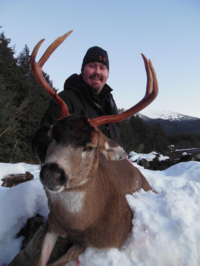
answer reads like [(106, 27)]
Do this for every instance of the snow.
[(166, 225), (17, 205), (186, 149), (163, 158), (166, 115), (133, 156)]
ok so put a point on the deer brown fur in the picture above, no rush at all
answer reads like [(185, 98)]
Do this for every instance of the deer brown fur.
[(93, 176), (86, 177)]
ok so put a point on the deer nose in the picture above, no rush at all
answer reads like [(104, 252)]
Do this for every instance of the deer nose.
[(52, 176)]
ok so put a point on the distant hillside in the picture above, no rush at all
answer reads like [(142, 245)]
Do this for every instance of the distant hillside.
[(166, 115), (173, 122)]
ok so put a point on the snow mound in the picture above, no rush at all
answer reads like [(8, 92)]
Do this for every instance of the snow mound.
[(133, 156), (165, 225)]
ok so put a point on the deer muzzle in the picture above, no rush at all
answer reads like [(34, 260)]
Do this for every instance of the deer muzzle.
[(53, 177)]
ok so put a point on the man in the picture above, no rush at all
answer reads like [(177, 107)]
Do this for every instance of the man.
[(85, 94)]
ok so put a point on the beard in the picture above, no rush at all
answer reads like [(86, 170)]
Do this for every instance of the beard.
[(98, 87)]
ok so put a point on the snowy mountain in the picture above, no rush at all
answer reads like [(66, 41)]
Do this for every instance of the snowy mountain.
[(172, 122), (166, 115)]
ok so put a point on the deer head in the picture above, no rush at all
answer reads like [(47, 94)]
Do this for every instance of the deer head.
[(73, 153)]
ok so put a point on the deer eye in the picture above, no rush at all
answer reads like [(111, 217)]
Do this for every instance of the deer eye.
[(88, 148)]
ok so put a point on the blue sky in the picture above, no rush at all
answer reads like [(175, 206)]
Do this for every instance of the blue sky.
[(166, 31)]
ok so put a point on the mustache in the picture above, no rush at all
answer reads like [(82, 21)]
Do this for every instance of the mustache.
[(95, 75)]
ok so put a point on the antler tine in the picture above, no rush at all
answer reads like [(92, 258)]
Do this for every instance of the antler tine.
[(149, 76), (37, 71), (150, 95), (52, 48)]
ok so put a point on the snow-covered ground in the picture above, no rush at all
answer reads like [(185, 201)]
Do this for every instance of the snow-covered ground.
[(166, 226), (133, 156)]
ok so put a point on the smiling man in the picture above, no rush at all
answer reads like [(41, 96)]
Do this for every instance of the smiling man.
[(85, 94), (95, 68)]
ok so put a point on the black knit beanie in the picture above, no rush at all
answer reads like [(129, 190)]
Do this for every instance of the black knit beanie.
[(96, 54)]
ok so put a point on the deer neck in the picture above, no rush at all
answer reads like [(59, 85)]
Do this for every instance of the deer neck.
[(79, 206)]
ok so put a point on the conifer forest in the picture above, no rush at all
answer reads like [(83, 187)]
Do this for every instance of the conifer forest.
[(22, 104)]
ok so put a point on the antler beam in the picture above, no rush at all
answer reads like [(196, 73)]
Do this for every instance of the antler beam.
[(37, 71), (151, 94)]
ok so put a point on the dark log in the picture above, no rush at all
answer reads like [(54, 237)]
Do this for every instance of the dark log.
[(16, 179)]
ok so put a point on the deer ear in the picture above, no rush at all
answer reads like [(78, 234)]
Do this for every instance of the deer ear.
[(113, 152)]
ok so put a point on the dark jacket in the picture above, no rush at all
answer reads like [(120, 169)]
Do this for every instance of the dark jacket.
[(80, 100)]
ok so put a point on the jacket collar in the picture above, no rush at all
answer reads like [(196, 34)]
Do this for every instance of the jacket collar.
[(75, 82)]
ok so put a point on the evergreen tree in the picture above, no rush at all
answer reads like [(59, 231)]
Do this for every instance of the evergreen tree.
[(143, 134), (161, 142), (8, 124), (141, 137), (127, 135), (184, 141), (7, 61), (36, 101), (8, 109), (22, 104)]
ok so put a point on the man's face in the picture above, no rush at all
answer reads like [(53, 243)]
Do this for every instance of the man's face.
[(95, 75)]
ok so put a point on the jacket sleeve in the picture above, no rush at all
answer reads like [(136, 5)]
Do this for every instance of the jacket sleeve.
[(41, 139)]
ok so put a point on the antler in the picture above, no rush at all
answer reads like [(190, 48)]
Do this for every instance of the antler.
[(150, 95), (37, 71)]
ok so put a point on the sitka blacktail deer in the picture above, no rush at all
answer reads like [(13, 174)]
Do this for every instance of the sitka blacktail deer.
[(86, 175)]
